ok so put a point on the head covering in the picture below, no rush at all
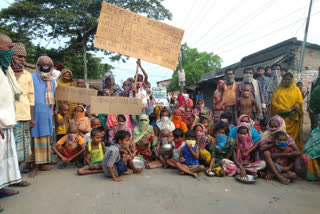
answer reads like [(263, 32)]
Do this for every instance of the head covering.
[(19, 49), (112, 86), (165, 123), (142, 129), (64, 82), (267, 136), (188, 117), (188, 103), (243, 145), (79, 115), (251, 122), (312, 147), (48, 79)]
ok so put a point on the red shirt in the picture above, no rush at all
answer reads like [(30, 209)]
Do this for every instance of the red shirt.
[(180, 100)]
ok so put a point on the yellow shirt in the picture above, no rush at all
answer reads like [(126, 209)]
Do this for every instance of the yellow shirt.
[(27, 98), (61, 129)]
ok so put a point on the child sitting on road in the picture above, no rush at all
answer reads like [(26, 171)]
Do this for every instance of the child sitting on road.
[(165, 138), (115, 164), (143, 148), (189, 156), (221, 150), (178, 145), (70, 147), (245, 152), (164, 122), (81, 120), (280, 160), (94, 153), (246, 103), (62, 120)]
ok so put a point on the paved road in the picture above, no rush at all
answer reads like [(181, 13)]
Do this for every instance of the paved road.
[(159, 191)]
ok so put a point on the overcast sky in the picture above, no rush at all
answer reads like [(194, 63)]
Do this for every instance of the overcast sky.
[(231, 29)]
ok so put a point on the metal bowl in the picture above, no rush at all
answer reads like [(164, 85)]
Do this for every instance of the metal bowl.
[(166, 148), (250, 179), (211, 174), (139, 162)]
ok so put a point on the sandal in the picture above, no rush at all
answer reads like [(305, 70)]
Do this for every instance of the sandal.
[(21, 184), (7, 193)]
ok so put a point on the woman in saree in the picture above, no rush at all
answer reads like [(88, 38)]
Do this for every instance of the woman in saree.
[(287, 102), (312, 154), (253, 132), (144, 129), (66, 79), (200, 108), (109, 86), (314, 106)]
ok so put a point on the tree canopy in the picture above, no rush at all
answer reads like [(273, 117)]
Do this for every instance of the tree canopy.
[(195, 64)]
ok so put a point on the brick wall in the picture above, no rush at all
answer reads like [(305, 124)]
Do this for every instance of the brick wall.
[(311, 59)]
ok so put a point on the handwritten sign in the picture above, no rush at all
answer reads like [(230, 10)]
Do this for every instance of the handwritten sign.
[(131, 34), (115, 105), (76, 95)]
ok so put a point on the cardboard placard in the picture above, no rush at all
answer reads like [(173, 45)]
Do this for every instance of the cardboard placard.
[(76, 95), (116, 105), (131, 34)]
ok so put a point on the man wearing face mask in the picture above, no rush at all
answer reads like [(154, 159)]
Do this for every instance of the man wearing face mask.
[(256, 91), (24, 108), (229, 92), (44, 89), (9, 92), (272, 83)]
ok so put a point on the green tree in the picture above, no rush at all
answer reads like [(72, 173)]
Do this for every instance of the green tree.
[(195, 64), (75, 20)]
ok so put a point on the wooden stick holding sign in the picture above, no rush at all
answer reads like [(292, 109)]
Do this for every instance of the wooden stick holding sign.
[(136, 78)]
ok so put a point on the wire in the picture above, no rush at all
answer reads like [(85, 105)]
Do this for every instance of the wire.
[(188, 14), (269, 34)]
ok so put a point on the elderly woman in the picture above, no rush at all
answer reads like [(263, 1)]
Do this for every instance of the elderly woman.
[(287, 102), (44, 89), (65, 79)]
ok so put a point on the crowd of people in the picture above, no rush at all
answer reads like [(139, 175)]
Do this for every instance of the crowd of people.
[(253, 128)]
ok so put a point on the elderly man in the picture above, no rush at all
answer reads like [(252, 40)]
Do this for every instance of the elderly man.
[(44, 88), (9, 91), (256, 91), (24, 108)]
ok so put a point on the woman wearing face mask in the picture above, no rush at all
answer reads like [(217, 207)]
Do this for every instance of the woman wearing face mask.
[(109, 86), (200, 107), (79, 117), (164, 122), (253, 132), (287, 102), (219, 106), (66, 79), (177, 121), (202, 141), (188, 117), (44, 89), (121, 125)]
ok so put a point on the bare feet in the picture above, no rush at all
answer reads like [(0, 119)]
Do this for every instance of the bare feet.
[(33, 173), (195, 175), (284, 180), (43, 167)]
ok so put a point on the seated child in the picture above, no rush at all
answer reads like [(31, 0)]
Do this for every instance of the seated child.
[(178, 145), (219, 107), (221, 151), (70, 147), (202, 141), (164, 122), (94, 152), (114, 163), (280, 160), (143, 148), (246, 104), (62, 120), (165, 138), (206, 123), (245, 152), (189, 156), (95, 123), (227, 118), (153, 120), (81, 120), (177, 121)]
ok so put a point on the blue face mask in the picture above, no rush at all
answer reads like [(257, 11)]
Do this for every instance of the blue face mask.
[(221, 140), (282, 144)]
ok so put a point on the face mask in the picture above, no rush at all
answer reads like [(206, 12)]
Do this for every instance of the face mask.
[(247, 78), (16, 65), (126, 88), (122, 124), (44, 68), (217, 99), (267, 74), (71, 138), (143, 123), (191, 142), (221, 140), (282, 144), (246, 93), (5, 58), (243, 137), (164, 119), (79, 115), (230, 79)]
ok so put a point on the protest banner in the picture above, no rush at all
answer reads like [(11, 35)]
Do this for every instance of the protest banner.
[(115, 105), (131, 34), (76, 95)]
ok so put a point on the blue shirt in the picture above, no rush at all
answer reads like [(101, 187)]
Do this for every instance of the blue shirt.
[(42, 113), (263, 82), (190, 160), (254, 134), (199, 96)]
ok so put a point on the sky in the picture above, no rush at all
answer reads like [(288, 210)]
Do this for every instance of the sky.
[(231, 29)]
